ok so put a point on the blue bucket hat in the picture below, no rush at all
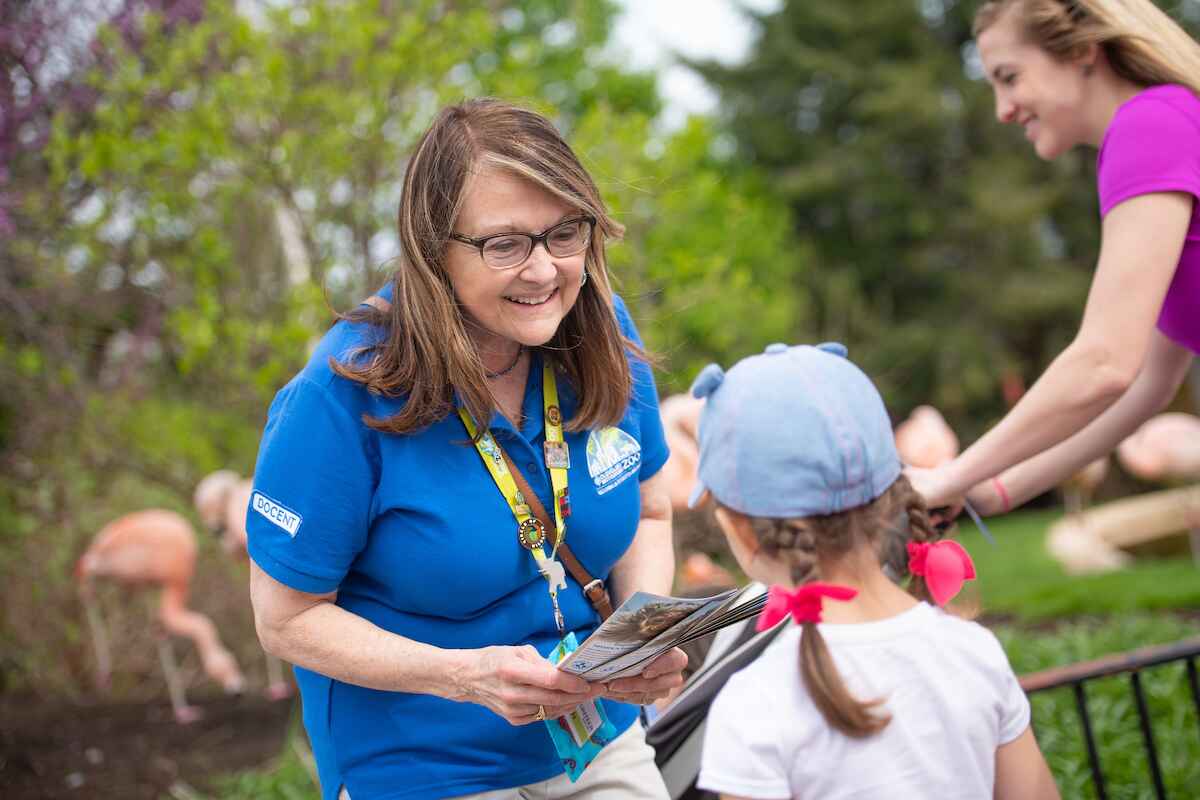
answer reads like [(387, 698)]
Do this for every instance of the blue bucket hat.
[(794, 432)]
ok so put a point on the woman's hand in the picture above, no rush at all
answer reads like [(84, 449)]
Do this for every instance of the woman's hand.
[(941, 499), (661, 676), (515, 681)]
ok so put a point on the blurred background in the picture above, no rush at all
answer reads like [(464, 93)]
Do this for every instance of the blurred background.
[(190, 190)]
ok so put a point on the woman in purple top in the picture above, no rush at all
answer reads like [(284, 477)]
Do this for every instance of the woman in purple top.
[(1120, 76)]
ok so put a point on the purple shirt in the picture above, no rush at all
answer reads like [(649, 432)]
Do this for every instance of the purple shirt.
[(1153, 145)]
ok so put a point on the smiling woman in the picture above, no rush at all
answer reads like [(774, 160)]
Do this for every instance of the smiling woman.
[(417, 584), (1120, 76)]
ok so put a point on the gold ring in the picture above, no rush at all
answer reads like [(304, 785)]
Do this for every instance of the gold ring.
[(541, 713)]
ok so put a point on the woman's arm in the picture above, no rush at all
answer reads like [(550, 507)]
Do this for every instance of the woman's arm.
[(648, 566), (649, 563), (1166, 368), (312, 632), (1142, 239)]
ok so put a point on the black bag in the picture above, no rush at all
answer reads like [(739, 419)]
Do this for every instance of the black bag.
[(677, 735)]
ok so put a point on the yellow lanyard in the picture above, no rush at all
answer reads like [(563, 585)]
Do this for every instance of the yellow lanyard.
[(530, 531)]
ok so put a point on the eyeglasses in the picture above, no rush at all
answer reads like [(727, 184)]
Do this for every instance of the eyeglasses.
[(507, 250)]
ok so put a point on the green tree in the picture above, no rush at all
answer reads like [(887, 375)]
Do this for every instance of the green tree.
[(184, 235), (947, 254)]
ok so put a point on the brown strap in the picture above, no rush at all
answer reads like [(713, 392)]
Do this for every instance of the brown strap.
[(593, 588), (375, 301)]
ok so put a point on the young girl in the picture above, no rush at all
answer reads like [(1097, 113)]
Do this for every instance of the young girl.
[(873, 693), (1119, 76)]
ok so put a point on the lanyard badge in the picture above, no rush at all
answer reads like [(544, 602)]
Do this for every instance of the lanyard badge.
[(531, 533), (579, 736)]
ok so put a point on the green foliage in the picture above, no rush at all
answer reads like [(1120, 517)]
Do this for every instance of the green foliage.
[(1111, 706), (707, 247), (946, 253), (290, 778), (189, 235)]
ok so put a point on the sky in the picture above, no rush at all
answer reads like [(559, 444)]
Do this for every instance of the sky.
[(648, 32)]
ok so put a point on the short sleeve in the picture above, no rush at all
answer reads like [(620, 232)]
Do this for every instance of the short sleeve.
[(1014, 709), (644, 401), (741, 754), (1151, 146), (314, 485), (1012, 704)]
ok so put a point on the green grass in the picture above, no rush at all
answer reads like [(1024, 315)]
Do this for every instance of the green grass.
[(1018, 577), (289, 777), (1111, 706)]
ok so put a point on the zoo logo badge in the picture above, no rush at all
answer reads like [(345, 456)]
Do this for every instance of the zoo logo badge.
[(612, 455)]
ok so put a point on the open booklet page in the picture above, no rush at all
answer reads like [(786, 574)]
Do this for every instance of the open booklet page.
[(647, 625)]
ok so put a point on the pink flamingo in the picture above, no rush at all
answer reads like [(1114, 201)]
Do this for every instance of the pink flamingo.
[(211, 499), (155, 548), (1166, 449), (681, 422), (700, 571), (221, 501), (924, 439)]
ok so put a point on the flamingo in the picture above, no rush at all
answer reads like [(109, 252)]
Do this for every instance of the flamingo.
[(924, 439), (699, 571), (681, 421), (211, 498), (155, 548), (221, 501), (1166, 449)]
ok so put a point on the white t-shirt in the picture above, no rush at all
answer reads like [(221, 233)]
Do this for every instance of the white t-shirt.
[(948, 685)]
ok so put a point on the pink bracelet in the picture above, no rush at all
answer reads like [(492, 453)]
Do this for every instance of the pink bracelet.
[(1000, 490)]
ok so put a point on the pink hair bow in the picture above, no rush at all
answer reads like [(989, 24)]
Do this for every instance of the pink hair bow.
[(804, 603), (945, 565)]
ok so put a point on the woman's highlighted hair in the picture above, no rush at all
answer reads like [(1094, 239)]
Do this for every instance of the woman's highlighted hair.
[(1143, 45)]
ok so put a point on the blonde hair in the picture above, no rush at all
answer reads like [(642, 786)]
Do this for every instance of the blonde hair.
[(425, 351), (1143, 45), (803, 543)]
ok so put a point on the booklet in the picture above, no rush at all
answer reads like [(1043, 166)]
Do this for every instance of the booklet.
[(647, 625)]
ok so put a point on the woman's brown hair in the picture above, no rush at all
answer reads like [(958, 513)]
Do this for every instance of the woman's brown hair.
[(803, 543), (425, 352), (1143, 45)]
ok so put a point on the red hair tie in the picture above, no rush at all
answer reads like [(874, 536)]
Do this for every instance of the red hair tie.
[(804, 603), (945, 565)]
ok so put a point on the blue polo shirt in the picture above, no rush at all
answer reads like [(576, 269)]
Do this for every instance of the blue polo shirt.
[(414, 535)]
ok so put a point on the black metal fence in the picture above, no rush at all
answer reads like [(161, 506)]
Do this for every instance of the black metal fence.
[(1133, 662)]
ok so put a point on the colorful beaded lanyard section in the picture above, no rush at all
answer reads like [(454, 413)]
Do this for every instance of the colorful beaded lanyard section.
[(531, 533)]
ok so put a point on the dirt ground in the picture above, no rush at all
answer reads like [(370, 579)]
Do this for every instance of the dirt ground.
[(131, 748), (132, 751)]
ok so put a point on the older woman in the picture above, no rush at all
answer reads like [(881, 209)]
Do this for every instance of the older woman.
[(395, 563)]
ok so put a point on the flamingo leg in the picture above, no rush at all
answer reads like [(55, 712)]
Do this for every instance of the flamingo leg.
[(1073, 500), (166, 656), (99, 643), (277, 687)]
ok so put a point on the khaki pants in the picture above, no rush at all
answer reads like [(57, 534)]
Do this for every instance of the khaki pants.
[(624, 770)]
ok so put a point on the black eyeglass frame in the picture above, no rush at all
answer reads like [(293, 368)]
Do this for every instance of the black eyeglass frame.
[(534, 238)]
